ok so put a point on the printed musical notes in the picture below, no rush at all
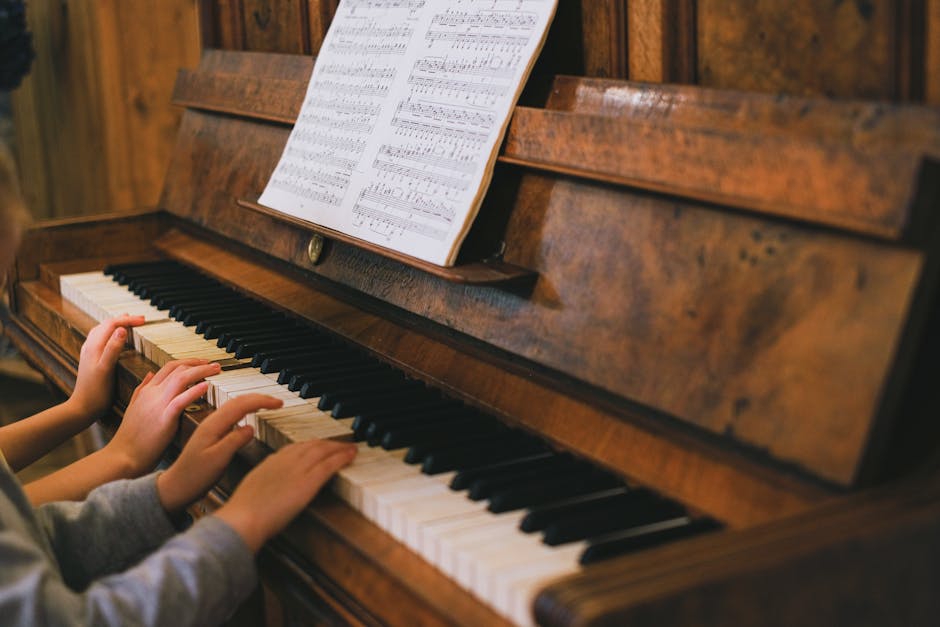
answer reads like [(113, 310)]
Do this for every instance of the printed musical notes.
[(403, 116)]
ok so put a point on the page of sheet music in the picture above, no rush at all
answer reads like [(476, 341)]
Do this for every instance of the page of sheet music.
[(403, 116)]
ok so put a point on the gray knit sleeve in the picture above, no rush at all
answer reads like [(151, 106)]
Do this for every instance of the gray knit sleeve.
[(113, 528), (198, 578)]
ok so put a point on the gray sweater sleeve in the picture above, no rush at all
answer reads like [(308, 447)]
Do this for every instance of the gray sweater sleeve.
[(198, 578), (116, 525)]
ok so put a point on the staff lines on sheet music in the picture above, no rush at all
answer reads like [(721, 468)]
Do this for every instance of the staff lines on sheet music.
[(431, 209), (403, 224), (417, 174), (478, 40), (312, 175), (445, 84), (357, 89), (326, 158), (326, 198), (438, 130), (355, 47), (448, 113), (343, 143), (345, 125), (487, 19), (474, 67), (360, 71), (411, 5), (411, 154), (373, 31), (352, 107)]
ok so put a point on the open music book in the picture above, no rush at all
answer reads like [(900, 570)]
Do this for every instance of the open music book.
[(403, 118)]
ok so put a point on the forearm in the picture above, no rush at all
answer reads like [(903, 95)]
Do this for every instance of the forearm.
[(75, 481), (25, 441)]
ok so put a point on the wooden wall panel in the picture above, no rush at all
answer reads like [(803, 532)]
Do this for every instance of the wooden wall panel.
[(604, 36), (932, 53), (320, 14), (661, 40), (94, 123), (276, 26), (805, 47)]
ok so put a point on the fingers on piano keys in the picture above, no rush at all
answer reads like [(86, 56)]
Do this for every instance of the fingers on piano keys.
[(497, 510)]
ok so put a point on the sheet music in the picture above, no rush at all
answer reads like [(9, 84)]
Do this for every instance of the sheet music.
[(403, 116)]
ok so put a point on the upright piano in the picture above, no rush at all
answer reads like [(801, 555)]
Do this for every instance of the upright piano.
[(688, 342)]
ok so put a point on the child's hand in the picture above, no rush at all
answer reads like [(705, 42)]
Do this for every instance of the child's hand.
[(95, 383), (208, 451), (152, 415), (272, 494)]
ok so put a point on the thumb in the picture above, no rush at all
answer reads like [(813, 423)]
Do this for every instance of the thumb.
[(112, 350), (238, 438), (143, 384), (224, 418)]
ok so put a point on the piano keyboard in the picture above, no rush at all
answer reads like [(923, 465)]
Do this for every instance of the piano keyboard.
[(493, 508)]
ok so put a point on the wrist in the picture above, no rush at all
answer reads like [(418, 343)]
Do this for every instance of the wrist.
[(244, 524), (77, 413), (125, 464), (172, 498), (116, 465)]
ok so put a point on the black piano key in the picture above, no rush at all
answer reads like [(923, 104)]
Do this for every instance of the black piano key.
[(211, 327), (401, 390), (145, 289), (375, 424), (442, 431), (349, 408), (180, 311), (304, 351), (283, 342), (165, 298), (231, 340), (645, 537), (297, 376), (377, 430), (317, 387), (258, 351), (539, 517), (275, 361), (171, 278), (471, 453), (464, 478), (537, 493), (483, 487), (389, 381), (645, 509), (119, 270), (192, 318), (319, 372), (183, 290)]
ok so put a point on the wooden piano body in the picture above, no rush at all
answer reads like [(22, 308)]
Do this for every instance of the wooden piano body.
[(726, 297)]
